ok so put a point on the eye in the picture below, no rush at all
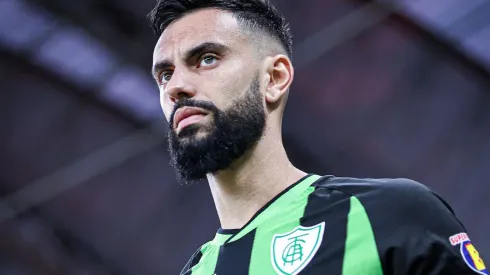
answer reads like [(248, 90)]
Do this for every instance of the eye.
[(165, 77), (208, 61)]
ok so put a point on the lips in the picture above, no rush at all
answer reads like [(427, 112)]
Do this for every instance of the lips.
[(186, 112)]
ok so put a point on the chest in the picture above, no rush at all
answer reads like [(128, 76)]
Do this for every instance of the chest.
[(327, 236), (315, 248)]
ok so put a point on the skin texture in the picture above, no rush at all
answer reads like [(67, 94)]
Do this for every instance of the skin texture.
[(225, 78)]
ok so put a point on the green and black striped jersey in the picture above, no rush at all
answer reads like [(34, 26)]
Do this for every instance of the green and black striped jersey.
[(344, 226)]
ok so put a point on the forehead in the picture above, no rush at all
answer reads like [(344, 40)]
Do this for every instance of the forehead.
[(206, 25)]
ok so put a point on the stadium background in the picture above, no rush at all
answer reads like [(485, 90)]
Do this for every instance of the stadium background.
[(382, 89)]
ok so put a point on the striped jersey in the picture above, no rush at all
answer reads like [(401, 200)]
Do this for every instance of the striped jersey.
[(344, 226)]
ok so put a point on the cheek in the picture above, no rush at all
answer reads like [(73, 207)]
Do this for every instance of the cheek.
[(229, 81), (223, 98), (166, 105), (227, 91)]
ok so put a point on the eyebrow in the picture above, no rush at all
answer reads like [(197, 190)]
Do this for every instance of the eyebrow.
[(190, 54)]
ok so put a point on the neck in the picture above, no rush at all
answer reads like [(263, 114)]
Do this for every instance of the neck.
[(240, 191)]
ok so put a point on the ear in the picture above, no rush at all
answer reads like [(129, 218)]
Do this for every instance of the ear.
[(280, 75)]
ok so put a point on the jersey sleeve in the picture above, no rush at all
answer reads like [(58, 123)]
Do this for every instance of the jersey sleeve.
[(418, 233)]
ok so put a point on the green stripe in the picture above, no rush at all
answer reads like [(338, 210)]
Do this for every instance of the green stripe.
[(282, 216), (361, 254), (277, 206), (220, 239), (210, 252)]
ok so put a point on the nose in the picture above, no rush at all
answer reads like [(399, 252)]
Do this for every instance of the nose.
[(179, 87)]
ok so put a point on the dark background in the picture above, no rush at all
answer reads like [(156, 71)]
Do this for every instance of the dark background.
[(381, 90)]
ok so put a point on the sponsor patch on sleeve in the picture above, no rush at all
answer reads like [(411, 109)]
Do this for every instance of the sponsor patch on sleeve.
[(469, 253)]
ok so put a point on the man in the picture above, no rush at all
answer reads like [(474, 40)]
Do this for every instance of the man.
[(224, 71)]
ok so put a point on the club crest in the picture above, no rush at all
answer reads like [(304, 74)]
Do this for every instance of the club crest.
[(291, 252)]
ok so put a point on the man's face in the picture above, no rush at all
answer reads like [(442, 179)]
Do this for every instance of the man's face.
[(210, 91)]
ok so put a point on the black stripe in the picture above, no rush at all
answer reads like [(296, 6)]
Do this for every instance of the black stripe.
[(187, 270), (234, 258), (332, 207)]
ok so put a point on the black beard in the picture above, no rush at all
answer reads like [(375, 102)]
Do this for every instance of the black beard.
[(228, 136)]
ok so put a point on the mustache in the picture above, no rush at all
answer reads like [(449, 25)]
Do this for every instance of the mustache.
[(205, 105)]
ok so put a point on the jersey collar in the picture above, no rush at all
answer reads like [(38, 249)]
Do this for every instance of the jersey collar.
[(230, 235)]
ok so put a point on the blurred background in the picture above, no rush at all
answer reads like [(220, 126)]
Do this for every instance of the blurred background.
[(382, 89)]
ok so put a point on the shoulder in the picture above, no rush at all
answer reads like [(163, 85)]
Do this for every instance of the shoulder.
[(390, 196), (356, 186), (412, 227), (384, 189)]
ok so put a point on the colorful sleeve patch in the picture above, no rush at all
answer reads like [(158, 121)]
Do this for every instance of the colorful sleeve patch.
[(469, 253)]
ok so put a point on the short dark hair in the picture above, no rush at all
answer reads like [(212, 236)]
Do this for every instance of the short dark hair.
[(256, 14)]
